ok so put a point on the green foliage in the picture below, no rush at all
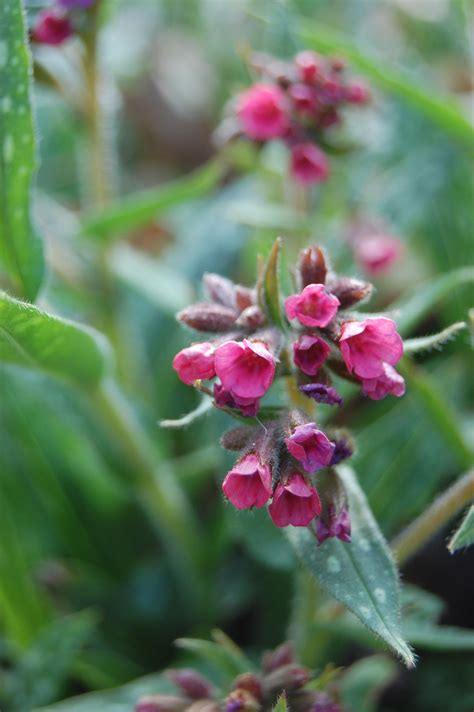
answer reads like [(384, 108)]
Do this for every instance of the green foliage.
[(361, 575), (464, 534), (33, 338), (21, 257), (364, 681), (270, 287)]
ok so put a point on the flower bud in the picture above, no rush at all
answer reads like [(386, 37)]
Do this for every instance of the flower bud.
[(312, 266), (191, 683), (237, 438), (289, 677), (244, 297), (283, 655), (213, 318), (349, 291), (251, 318), (219, 289), (161, 703), (309, 164), (342, 451), (250, 682), (241, 701), (322, 393)]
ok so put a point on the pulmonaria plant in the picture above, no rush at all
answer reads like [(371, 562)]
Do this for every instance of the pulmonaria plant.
[(250, 344), (298, 102), (279, 675)]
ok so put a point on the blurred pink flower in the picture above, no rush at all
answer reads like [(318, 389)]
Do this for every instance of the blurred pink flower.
[(52, 28), (309, 164), (377, 252), (262, 112)]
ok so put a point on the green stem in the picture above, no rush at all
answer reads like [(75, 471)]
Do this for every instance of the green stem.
[(157, 488), (415, 536)]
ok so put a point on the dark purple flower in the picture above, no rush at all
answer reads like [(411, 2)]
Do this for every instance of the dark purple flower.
[(342, 451), (334, 525), (322, 393)]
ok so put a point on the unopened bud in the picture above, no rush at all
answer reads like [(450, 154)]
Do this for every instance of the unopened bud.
[(251, 318), (250, 682), (191, 683), (208, 317), (241, 701), (322, 393), (289, 677), (204, 706), (237, 438), (312, 266), (220, 289), (283, 655), (161, 703), (343, 450), (244, 297), (349, 291)]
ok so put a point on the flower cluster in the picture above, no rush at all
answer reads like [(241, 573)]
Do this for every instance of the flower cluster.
[(315, 341), (54, 25), (298, 102), (280, 674)]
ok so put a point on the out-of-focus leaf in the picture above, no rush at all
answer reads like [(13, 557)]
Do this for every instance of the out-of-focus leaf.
[(363, 682), (268, 216), (361, 575), (21, 255), (163, 286), (270, 287), (443, 111), (204, 407), (414, 307), (434, 341), (261, 539), (438, 637), (464, 534), (224, 661), (135, 210), (33, 338)]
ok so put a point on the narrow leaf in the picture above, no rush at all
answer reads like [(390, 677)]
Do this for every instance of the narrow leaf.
[(281, 705), (442, 110), (204, 406), (434, 341), (361, 575), (21, 256), (33, 338), (138, 209), (223, 661), (464, 535), (270, 288)]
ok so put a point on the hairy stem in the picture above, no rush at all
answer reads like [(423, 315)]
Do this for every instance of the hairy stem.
[(418, 533)]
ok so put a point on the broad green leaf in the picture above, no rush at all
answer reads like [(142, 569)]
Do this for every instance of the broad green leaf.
[(138, 209), (21, 256), (361, 575), (364, 681), (464, 534), (33, 338), (270, 287), (414, 307), (441, 110), (433, 341)]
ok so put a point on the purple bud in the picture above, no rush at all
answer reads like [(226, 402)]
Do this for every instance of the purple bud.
[(283, 655), (288, 677), (220, 289), (240, 700), (312, 266), (349, 291), (322, 393), (334, 525), (225, 399), (250, 682), (191, 683), (342, 451), (251, 318), (208, 317)]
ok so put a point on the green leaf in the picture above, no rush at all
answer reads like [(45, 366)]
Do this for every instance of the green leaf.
[(138, 209), (464, 534), (438, 637), (270, 287), (361, 575), (414, 307), (363, 682), (443, 111), (33, 338), (281, 705), (21, 256), (225, 661), (433, 341)]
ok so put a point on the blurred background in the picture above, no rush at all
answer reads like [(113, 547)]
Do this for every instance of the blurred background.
[(91, 597)]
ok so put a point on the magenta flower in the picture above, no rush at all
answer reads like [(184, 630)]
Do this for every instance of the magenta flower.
[(309, 353), (377, 253), (263, 113), (295, 502), (313, 307), (225, 399), (334, 525), (195, 362), (310, 446), (249, 483), (367, 345), (245, 368), (309, 66), (52, 28), (309, 164), (388, 382)]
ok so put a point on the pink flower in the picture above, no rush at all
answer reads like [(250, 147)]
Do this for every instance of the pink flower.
[(366, 346), (249, 483), (195, 362), (309, 164), (52, 28), (295, 502), (313, 307), (303, 98), (309, 65), (245, 368), (310, 446), (225, 399), (377, 252), (356, 92), (309, 353), (388, 382), (262, 112)]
